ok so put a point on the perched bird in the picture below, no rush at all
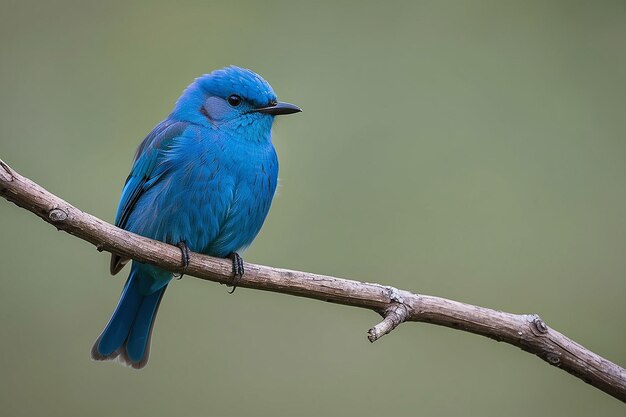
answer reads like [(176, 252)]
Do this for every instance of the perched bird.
[(203, 179)]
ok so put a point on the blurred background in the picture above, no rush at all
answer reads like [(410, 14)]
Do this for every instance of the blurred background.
[(470, 150)]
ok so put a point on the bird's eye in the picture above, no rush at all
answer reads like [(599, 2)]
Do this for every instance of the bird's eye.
[(234, 100)]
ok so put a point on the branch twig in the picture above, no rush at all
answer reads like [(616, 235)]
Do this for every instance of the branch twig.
[(527, 332)]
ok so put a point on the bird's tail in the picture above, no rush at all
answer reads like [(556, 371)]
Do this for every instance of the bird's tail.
[(127, 335)]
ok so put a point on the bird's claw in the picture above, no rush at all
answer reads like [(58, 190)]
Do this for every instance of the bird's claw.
[(238, 270), (185, 256)]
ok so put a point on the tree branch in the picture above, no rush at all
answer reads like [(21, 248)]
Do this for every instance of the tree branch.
[(528, 332)]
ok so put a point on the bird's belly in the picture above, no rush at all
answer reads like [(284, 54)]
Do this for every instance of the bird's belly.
[(244, 217), (215, 213)]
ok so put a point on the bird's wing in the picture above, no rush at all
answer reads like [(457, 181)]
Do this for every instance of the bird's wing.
[(142, 175)]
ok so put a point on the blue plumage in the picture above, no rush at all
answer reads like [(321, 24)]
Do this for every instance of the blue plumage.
[(204, 177)]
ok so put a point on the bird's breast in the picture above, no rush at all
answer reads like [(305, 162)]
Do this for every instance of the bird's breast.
[(254, 179), (229, 195), (212, 194)]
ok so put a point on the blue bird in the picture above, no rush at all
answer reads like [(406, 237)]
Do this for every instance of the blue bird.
[(203, 179)]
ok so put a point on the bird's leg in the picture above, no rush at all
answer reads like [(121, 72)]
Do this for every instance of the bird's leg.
[(184, 251), (237, 269)]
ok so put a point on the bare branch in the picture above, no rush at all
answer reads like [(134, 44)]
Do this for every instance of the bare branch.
[(527, 332)]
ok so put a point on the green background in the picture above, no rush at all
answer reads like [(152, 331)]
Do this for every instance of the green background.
[(471, 150)]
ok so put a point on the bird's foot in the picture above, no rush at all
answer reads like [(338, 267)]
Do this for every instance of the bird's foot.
[(237, 270), (184, 252)]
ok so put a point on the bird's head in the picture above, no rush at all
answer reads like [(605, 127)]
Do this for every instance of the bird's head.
[(231, 97)]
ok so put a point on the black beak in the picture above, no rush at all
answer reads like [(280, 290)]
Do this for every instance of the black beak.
[(278, 109)]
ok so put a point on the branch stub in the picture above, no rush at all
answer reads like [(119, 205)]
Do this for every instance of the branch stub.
[(57, 215)]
